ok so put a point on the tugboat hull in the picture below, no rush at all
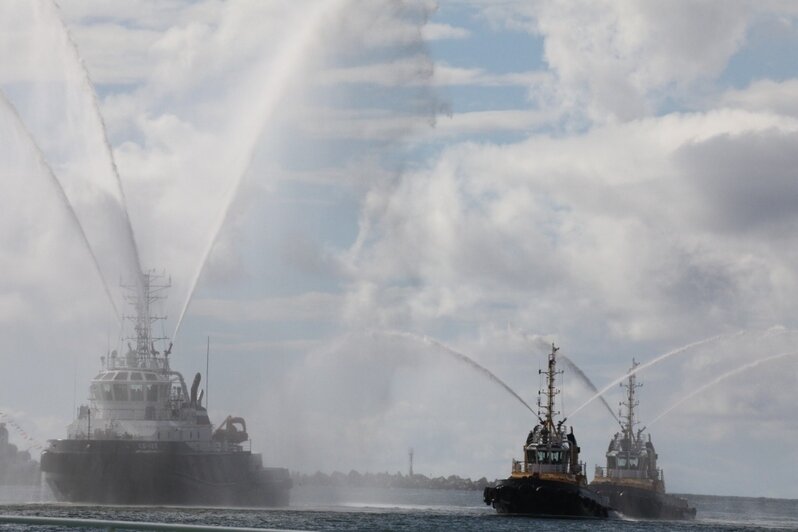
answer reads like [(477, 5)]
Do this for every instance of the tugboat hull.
[(150, 472), (644, 503), (545, 498)]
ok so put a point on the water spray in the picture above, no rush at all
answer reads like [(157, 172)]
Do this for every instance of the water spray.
[(718, 380), (89, 86), (571, 364), (281, 74), (460, 357), (59, 189), (652, 362)]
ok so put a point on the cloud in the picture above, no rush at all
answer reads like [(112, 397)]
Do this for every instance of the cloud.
[(434, 31), (619, 60), (765, 95), (312, 306), (523, 226), (420, 70)]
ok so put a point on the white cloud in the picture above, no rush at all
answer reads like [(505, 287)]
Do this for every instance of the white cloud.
[(765, 95), (313, 306), (617, 60), (433, 32)]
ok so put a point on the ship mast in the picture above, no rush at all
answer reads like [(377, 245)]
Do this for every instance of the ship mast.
[(547, 419), (141, 297), (629, 422)]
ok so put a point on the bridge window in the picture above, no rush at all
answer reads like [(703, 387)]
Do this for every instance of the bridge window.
[(622, 462), (108, 376), (120, 392), (107, 394), (121, 376), (136, 392), (152, 392), (150, 376), (633, 462), (135, 376)]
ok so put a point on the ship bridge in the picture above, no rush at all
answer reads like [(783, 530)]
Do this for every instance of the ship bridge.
[(631, 458)]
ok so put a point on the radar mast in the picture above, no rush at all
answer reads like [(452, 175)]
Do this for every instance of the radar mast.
[(629, 421)]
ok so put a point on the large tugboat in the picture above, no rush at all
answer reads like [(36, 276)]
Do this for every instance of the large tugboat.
[(145, 438), (631, 480), (550, 480)]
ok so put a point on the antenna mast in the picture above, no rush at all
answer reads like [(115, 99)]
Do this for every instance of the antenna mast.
[(630, 403), (547, 419)]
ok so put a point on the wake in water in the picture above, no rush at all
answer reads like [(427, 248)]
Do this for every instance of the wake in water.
[(719, 379), (460, 357), (652, 362), (23, 132)]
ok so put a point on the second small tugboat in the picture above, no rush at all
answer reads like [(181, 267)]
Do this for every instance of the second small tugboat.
[(550, 480), (631, 480)]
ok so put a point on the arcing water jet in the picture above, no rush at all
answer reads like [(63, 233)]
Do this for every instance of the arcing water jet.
[(576, 369), (650, 363), (718, 380), (579, 373), (23, 132), (460, 357), (77, 75), (281, 74)]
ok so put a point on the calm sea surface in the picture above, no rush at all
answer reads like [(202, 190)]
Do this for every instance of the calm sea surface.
[(321, 508)]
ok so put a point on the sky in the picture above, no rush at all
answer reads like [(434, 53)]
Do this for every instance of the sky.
[(329, 185)]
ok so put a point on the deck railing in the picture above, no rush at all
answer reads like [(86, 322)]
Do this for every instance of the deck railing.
[(520, 466), (605, 472)]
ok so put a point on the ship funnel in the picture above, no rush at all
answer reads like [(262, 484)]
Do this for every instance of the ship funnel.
[(194, 387)]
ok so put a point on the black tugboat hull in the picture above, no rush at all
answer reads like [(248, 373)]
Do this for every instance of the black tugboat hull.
[(643, 503), (146, 473), (545, 498)]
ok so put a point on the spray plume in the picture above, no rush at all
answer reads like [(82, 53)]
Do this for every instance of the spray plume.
[(59, 189), (719, 379), (650, 363), (461, 358), (95, 104), (282, 71), (539, 342), (587, 382)]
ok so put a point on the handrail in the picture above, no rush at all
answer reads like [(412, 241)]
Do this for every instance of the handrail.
[(124, 525), (605, 472)]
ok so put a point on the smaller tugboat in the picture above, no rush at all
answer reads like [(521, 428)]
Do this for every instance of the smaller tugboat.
[(631, 480), (550, 480)]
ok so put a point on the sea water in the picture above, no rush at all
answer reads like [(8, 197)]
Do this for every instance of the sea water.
[(327, 508)]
